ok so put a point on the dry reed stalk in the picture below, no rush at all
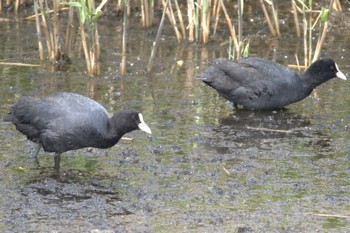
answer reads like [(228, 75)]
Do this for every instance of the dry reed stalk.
[(240, 19), (179, 15), (232, 29), (18, 64), (68, 41), (145, 10), (296, 20), (170, 14), (190, 15), (143, 13), (298, 64), (205, 20), (267, 17), (196, 22), (337, 6), (125, 23), (159, 33), (37, 23), (88, 15), (96, 47), (51, 30), (217, 14), (48, 11), (310, 34), (16, 6), (129, 10), (92, 61), (305, 42), (56, 31), (46, 31), (215, 6), (85, 48), (119, 4), (275, 17), (305, 32), (50, 34), (324, 33)]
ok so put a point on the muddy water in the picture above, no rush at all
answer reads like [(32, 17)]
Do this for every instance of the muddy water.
[(206, 168)]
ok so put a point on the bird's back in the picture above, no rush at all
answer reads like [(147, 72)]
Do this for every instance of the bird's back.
[(60, 122), (253, 82)]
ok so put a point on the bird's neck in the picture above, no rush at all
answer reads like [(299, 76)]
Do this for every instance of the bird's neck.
[(310, 82), (115, 132)]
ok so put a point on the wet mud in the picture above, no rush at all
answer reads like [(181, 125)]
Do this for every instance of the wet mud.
[(207, 167)]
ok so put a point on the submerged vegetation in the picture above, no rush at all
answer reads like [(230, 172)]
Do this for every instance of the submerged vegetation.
[(191, 21)]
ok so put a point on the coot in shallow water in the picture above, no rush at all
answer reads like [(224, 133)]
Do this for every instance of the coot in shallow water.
[(66, 121), (260, 84)]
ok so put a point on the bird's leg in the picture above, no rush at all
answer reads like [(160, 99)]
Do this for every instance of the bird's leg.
[(57, 159), (35, 155)]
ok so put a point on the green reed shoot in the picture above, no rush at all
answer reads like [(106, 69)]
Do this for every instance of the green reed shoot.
[(243, 49)]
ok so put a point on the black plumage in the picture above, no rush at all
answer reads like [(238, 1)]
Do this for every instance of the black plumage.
[(67, 121), (260, 84)]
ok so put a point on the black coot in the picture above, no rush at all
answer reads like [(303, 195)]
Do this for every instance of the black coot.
[(66, 121), (260, 84)]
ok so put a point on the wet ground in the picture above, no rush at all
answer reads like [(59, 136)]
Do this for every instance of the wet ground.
[(206, 168)]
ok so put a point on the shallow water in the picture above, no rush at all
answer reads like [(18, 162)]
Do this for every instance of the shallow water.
[(206, 168)]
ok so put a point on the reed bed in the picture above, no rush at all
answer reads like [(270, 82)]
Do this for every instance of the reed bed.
[(49, 24), (88, 15), (310, 24), (191, 20)]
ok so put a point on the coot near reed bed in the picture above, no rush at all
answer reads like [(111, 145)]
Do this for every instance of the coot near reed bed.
[(260, 84), (67, 121)]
